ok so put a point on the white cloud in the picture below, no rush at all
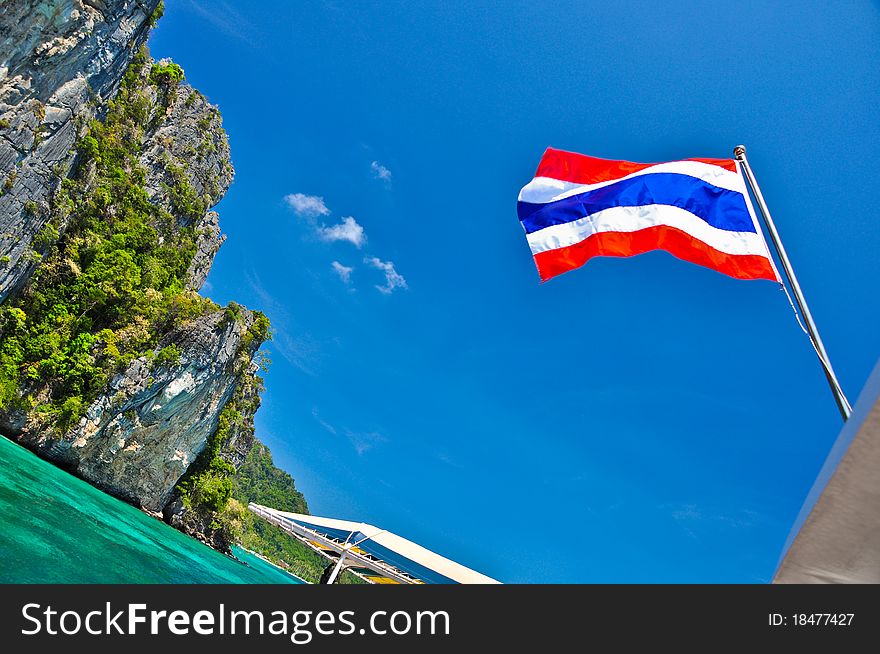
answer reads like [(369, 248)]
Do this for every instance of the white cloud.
[(348, 230), (310, 207), (380, 172), (307, 206), (344, 272), (393, 279)]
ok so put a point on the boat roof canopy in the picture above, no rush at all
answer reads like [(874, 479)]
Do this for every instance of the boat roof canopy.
[(366, 544)]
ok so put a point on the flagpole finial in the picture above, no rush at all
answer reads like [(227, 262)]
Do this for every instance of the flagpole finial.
[(739, 151)]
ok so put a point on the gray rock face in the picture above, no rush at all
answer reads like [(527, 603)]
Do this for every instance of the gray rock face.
[(137, 440), (190, 143), (60, 60), (240, 438), (207, 244), (189, 137)]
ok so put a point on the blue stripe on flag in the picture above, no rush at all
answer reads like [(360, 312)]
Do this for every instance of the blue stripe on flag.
[(719, 207)]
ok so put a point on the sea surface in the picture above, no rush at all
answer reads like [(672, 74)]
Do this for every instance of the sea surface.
[(56, 528)]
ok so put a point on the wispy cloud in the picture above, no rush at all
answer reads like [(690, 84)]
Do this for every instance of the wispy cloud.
[(224, 17), (693, 518), (364, 441), (344, 272), (326, 425), (302, 351), (448, 460), (307, 206), (393, 279), (348, 230), (687, 516), (380, 172)]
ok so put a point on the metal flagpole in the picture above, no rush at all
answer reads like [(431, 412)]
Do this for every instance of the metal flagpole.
[(842, 403)]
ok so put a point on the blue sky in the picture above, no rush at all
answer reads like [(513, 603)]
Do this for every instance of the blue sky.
[(637, 420)]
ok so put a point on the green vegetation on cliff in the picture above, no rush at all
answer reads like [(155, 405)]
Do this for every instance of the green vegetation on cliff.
[(112, 265), (259, 481), (206, 489), (109, 284)]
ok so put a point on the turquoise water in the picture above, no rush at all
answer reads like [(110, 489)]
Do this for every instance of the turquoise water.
[(55, 528)]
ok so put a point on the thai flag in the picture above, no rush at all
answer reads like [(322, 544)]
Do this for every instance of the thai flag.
[(579, 207)]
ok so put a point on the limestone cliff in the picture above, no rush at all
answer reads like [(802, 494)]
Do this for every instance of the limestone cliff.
[(189, 144), (137, 439), (60, 60), (110, 363)]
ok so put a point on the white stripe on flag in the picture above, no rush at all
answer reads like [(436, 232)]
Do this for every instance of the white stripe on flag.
[(633, 219), (546, 189)]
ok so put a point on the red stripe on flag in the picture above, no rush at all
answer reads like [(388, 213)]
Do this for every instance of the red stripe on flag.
[(660, 237), (581, 169)]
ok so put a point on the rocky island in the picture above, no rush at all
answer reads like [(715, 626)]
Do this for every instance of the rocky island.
[(112, 365)]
